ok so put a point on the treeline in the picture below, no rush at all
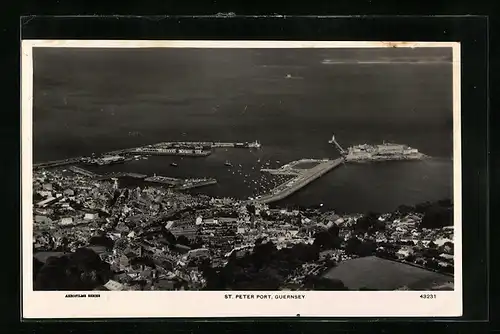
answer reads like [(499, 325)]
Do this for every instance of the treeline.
[(82, 270), (435, 214), (266, 268)]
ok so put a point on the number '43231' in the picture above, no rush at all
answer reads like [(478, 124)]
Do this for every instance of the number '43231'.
[(428, 296)]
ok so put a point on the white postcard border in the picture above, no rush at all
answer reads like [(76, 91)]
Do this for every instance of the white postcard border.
[(147, 304)]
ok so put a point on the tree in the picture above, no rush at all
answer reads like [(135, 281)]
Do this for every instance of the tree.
[(437, 217), (328, 239), (334, 230), (432, 264), (367, 248), (53, 276), (37, 265), (251, 208), (262, 253), (367, 223), (405, 209), (168, 236), (352, 246), (82, 270), (183, 240), (324, 284), (146, 261), (422, 207), (101, 240), (446, 203)]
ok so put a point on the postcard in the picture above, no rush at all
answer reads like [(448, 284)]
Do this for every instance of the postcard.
[(240, 179)]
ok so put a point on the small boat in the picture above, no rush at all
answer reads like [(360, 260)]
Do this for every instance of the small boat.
[(173, 164), (227, 163)]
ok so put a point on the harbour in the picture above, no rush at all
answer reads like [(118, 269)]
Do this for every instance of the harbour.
[(288, 178)]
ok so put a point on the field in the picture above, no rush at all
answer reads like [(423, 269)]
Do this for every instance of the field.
[(375, 273)]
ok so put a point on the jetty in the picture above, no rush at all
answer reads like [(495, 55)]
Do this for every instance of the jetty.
[(303, 177)]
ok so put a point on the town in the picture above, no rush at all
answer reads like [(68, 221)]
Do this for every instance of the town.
[(94, 234)]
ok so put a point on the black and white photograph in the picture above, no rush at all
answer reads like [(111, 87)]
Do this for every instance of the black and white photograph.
[(275, 168)]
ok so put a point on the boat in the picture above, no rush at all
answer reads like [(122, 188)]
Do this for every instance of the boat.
[(255, 144), (227, 163), (173, 164)]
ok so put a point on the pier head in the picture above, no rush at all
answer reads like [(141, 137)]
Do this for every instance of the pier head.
[(305, 172)]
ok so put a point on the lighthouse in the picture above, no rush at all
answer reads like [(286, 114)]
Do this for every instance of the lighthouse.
[(115, 183), (333, 141)]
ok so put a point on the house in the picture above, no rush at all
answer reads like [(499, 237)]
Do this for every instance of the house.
[(123, 261), (69, 192), (164, 284), (199, 253), (46, 202), (45, 193), (121, 227), (97, 249), (66, 221), (90, 216), (42, 219), (446, 256), (404, 252), (182, 248), (113, 286)]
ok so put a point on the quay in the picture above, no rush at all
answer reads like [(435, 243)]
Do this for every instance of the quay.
[(302, 179), (196, 183), (57, 163), (209, 144), (171, 181), (118, 175), (184, 149), (181, 184), (83, 172), (170, 151)]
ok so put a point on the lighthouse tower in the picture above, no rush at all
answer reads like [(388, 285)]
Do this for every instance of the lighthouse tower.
[(333, 141), (115, 184)]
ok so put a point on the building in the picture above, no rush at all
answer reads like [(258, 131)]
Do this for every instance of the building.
[(91, 216), (42, 219), (113, 286), (199, 253), (189, 231), (404, 252), (66, 221), (69, 192), (46, 202), (164, 284)]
